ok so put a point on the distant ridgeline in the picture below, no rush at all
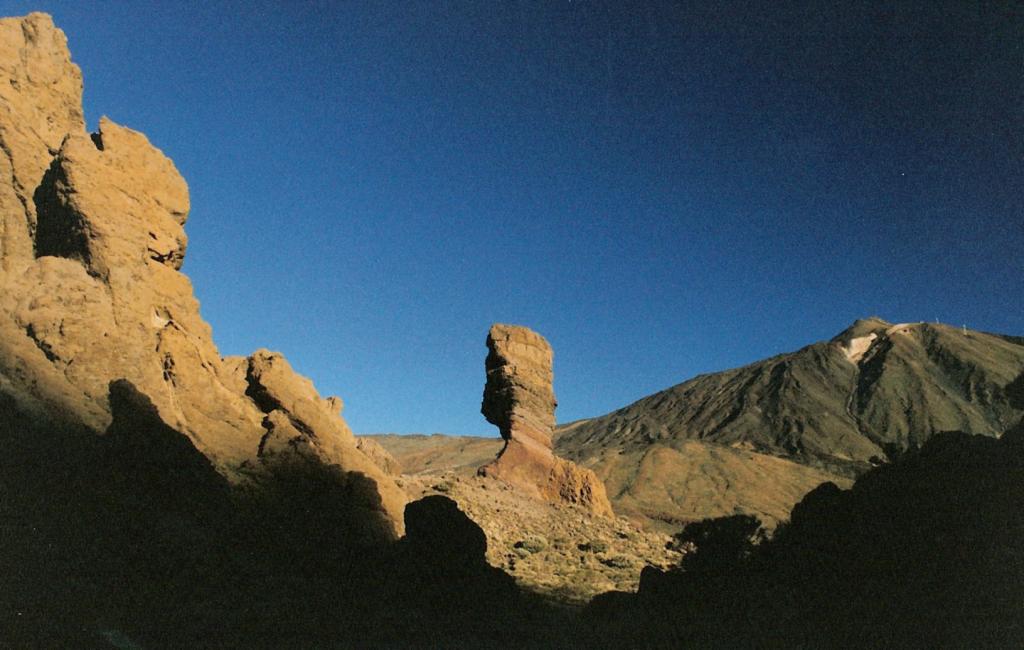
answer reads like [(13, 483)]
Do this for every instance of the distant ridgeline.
[(870, 393), (836, 407)]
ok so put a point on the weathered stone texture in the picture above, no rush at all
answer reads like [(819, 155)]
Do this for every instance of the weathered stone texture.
[(92, 242), (519, 399)]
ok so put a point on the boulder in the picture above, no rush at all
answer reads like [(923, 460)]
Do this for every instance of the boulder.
[(438, 530)]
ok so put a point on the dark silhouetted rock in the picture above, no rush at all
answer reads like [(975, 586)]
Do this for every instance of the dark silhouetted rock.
[(922, 552), (435, 527)]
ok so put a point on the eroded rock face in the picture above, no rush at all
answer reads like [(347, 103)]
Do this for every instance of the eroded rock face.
[(112, 200), (519, 399), (300, 423), (40, 103), (380, 456), (91, 244)]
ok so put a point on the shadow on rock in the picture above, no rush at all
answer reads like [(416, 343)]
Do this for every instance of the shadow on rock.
[(133, 537), (99, 526)]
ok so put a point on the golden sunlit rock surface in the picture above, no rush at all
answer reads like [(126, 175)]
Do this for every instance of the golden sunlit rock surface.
[(92, 242), (519, 399)]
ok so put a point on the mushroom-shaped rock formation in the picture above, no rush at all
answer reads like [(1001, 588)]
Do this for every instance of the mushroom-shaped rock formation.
[(519, 399), (92, 241)]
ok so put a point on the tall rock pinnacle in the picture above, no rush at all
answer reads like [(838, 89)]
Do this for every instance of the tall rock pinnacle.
[(92, 241), (519, 399)]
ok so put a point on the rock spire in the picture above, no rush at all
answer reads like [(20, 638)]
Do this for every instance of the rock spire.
[(519, 399)]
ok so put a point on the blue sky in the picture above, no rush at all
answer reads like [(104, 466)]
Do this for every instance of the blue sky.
[(660, 189)]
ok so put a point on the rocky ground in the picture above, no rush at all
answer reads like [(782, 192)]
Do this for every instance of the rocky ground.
[(563, 552), (658, 486)]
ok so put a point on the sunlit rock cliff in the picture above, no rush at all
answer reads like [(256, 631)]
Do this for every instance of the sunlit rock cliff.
[(92, 241)]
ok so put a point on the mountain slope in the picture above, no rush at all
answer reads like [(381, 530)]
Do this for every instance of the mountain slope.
[(438, 453), (668, 484), (870, 392)]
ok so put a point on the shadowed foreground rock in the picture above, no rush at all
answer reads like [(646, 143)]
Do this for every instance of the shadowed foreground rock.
[(519, 399), (924, 552), (135, 536)]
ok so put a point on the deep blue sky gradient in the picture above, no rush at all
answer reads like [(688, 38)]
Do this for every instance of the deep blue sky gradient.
[(661, 189)]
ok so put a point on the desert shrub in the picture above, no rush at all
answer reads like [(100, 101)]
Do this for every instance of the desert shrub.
[(534, 544), (617, 561), (720, 543), (594, 546)]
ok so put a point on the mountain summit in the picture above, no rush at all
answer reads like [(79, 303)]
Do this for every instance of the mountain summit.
[(770, 429)]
